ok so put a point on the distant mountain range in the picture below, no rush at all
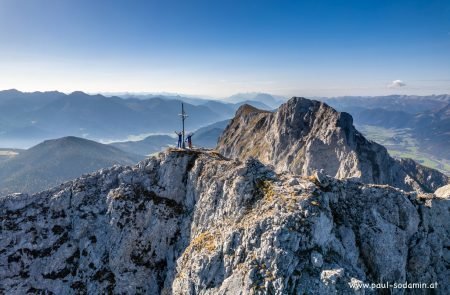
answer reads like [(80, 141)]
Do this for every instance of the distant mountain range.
[(427, 117), (273, 101), (264, 100), (412, 104), (29, 118), (55, 161)]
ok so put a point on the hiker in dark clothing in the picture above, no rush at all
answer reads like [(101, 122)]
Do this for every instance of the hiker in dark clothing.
[(189, 140), (180, 140)]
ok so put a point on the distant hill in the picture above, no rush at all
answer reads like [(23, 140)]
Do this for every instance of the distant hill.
[(208, 136), (432, 128), (149, 145), (54, 161)]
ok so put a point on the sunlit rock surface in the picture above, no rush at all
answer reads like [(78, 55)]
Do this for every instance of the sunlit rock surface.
[(192, 222), (304, 135)]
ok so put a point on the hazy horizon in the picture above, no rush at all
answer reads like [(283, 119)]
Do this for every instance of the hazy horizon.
[(211, 97)]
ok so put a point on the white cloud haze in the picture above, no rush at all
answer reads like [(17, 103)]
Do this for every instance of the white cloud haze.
[(396, 84)]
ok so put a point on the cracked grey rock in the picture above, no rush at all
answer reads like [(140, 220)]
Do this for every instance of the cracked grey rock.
[(188, 222)]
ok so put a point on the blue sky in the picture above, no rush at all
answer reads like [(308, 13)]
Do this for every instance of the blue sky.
[(217, 48)]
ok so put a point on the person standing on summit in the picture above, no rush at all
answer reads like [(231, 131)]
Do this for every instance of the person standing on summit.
[(180, 140), (189, 140)]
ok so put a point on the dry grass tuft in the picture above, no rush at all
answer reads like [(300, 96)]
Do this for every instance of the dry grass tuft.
[(204, 241), (266, 187)]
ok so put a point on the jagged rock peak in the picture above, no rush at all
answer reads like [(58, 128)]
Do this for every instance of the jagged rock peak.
[(247, 109), (192, 222), (302, 106), (306, 135)]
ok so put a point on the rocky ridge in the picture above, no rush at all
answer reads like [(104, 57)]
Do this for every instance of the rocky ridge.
[(191, 222), (305, 135)]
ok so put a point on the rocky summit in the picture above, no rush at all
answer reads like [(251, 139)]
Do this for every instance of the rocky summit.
[(305, 135), (194, 222)]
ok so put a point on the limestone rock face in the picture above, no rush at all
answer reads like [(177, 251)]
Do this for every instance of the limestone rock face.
[(189, 222), (443, 192), (305, 135)]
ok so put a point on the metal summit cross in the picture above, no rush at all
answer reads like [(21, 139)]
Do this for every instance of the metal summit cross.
[(183, 116)]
